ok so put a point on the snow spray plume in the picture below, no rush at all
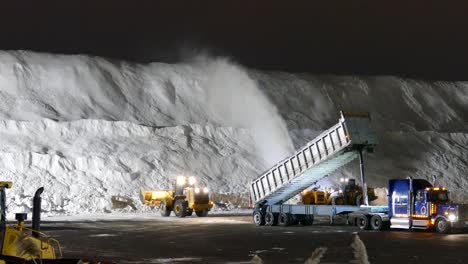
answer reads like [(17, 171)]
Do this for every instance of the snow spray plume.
[(234, 99)]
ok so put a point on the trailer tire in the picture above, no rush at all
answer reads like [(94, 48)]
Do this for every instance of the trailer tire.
[(164, 209), (363, 222), (284, 219), (271, 219), (258, 218), (202, 213), (442, 226), (307, 220), (376, 223), (180, 208)]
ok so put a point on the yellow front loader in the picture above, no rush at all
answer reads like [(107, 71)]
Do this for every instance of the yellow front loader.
[(185, 199), (19, 244)]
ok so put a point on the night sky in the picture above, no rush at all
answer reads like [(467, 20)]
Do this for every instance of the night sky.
[(420, 39)]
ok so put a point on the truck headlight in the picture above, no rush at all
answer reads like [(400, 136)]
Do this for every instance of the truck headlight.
[(197, 190), (205, 190), (192, 180), (452, 217)]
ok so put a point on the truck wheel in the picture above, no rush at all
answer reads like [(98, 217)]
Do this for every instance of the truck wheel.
[(258, 218), (337, 200), (270, 219), (376, 223), (284, 219), (363, 222), (202, 213), (163, 209), (359, 200), (307, 220), (442, 226), (180, 208)]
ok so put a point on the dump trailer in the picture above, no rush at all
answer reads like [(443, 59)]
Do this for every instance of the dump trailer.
[(413, 204), (334, 148), (19, 244), (184, 199)]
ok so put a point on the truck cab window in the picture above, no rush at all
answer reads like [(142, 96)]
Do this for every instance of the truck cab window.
[(437, 196)]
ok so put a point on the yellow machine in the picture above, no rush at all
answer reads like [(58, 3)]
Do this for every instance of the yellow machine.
[(316, 196), (352, 193), (349, 194), (185, 199), (19, 244)]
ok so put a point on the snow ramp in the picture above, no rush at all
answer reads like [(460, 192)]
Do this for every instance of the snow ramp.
[(321, 156)]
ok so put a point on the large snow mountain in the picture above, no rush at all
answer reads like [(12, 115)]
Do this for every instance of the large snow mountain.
[(89, 129)]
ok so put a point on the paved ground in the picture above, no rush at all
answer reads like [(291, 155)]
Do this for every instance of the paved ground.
[(234, 239)]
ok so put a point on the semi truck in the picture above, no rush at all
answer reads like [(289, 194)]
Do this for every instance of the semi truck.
[(342, 143), (414, 204)]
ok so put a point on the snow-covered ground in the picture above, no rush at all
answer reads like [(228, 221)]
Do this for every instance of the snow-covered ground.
[(89, 129)]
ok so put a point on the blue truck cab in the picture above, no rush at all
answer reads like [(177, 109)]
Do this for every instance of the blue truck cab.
[(415, 204)]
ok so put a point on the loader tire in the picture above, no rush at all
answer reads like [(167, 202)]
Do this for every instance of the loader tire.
[(180, 208), (189, 212), (164, 209), (202, 213), (338, 200)]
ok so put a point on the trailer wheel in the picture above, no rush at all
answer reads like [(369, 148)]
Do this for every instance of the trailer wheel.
[(202, 213), (307, 220), (363, 222), (164, 209), (377, 223), (442, 226), (258, 218), (270, 219), (284, 219), (180, 208)]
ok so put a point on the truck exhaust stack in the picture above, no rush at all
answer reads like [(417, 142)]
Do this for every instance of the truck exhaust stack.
[(36, 218)]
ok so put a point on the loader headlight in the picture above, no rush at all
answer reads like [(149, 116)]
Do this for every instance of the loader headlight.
[(181, 180), (205, 190), (192, 180), (342, 179), (452, 217), (197, 190)]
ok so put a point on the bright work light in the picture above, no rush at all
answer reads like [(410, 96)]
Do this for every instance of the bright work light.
[(181, 180), (192, 180)]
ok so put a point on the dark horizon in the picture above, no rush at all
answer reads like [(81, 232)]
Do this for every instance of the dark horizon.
[(421, 39)]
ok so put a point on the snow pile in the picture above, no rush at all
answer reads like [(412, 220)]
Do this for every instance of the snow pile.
[(82, 164), (89, 129)]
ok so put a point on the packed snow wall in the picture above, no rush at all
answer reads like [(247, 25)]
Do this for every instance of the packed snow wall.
[(89, 129)]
